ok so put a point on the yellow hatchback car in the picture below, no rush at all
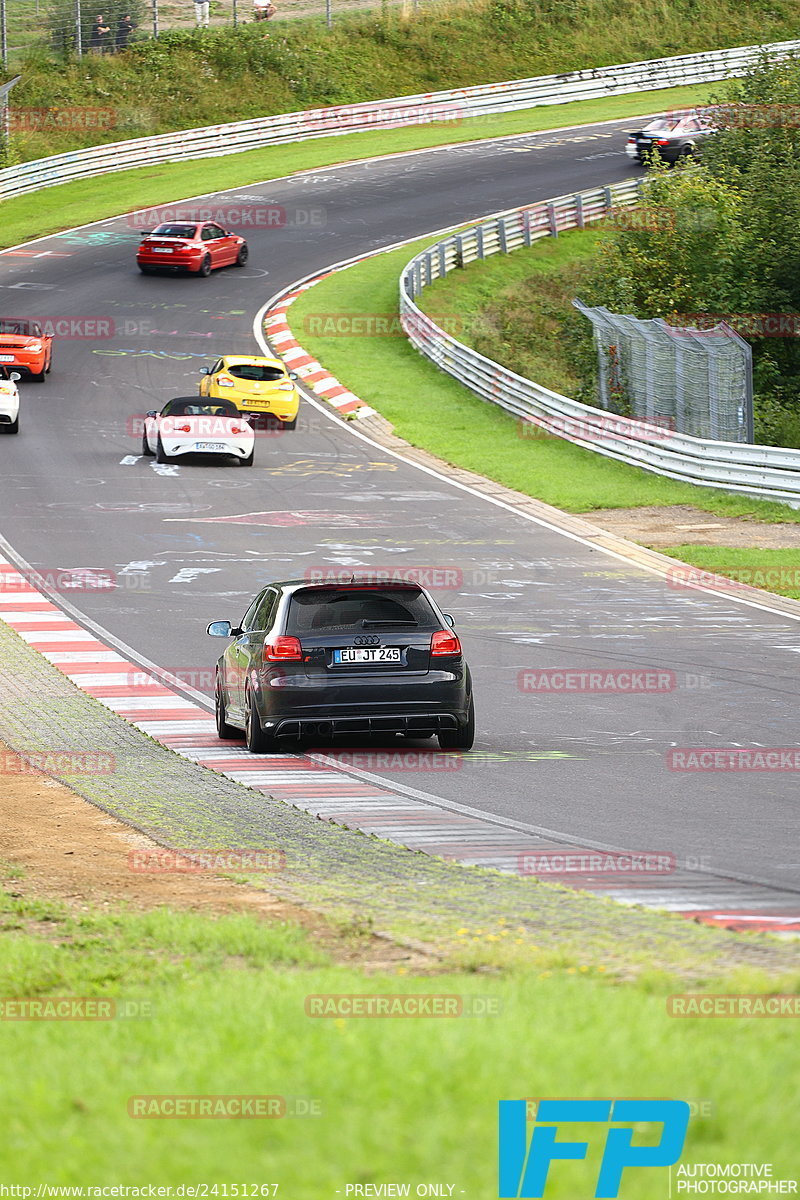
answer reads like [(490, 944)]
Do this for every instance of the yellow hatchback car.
[(261, 386)]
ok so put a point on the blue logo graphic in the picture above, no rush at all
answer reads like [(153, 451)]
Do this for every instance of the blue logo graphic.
[(524, 1167)]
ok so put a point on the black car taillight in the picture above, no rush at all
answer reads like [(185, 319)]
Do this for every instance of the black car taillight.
[(444, 641)]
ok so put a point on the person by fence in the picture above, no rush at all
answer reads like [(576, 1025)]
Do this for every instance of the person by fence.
[(100, 37), (125, 28), (201, 13), (263, 10)]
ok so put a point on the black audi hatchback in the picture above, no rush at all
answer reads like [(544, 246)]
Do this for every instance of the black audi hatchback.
[(321, 660)]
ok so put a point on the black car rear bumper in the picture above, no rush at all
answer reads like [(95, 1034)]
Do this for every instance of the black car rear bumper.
[(336, 725), (424, 705)]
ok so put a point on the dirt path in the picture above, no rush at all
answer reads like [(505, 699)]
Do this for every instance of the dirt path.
[(681, 524), (55, 845)]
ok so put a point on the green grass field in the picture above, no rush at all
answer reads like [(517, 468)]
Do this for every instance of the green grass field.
[(431, 410), (399, 1099), (776, 570)]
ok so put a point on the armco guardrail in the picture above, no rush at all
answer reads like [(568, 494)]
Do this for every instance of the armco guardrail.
[(217, 140), (766, 471)]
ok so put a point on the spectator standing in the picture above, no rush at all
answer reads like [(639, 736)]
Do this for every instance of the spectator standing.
[(125, 28), (263, 10), (201, 13), (100, 37)]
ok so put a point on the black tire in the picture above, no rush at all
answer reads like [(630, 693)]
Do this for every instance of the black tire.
[(205, 267), (290, 424), (145, 270), (160, 455), (461, 738), (40, 377), (257, 741), (248, 462), (13, 427), (242, 256), (225, 732)]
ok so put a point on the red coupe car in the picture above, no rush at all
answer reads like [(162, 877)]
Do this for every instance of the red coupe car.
[(198, 246)]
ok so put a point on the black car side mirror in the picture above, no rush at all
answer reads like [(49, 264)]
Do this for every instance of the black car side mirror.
[(222, 629), (151, 413)]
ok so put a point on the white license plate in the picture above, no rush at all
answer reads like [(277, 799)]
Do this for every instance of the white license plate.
[(162, 250), (210, 446), (359, 654), (6, 357)]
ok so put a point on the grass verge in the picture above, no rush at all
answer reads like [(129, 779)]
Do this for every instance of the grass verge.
[(223, 1013), (70, 204), (202, 77), (775, 570), (431, 410)]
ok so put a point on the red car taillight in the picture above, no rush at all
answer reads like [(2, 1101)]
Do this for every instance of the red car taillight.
[(283, 649), (662, 142), (444, 641)]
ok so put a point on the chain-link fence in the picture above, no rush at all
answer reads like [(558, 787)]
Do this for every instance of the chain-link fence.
[(693, 381), (78, 27)]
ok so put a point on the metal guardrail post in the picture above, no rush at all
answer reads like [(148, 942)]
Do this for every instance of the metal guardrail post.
[(552, 220), (78, 30), (155, 18), (329, 13), (579, 211)]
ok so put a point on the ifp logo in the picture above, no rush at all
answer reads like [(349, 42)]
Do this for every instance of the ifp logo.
[(524, 1166)]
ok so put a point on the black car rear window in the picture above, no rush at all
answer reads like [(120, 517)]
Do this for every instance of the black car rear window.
[(318, 610)]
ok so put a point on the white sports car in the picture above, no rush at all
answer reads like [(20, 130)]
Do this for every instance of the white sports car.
[(9, 401), (197, 425)]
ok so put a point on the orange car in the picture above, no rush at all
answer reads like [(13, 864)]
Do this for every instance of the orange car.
[(25, 347)]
